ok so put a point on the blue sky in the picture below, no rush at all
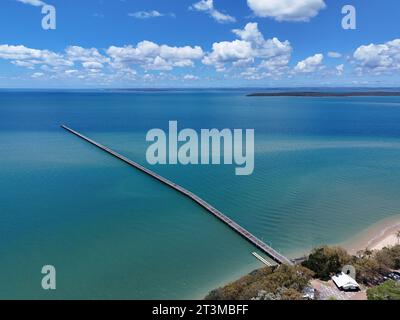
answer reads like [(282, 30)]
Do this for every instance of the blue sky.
[(191, 43)]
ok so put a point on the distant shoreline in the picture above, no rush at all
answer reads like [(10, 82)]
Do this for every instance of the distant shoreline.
[(327, 94)]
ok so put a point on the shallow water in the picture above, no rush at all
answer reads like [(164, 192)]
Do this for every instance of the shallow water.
[(326, 168)]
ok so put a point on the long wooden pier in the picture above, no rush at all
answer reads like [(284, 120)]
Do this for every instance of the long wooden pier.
[(273, 254)]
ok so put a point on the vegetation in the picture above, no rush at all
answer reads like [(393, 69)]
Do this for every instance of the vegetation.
[(325, 261), (288, 282), (280, 283), (372, 266), (390, 290)]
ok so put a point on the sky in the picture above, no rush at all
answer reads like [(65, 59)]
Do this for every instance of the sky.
[(198, 43)]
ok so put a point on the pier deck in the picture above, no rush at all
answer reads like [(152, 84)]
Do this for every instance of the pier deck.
[(269, 251)]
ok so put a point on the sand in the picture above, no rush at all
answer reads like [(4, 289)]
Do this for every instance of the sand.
[(381, 235)]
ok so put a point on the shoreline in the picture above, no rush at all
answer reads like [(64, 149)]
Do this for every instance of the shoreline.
[(376, 237)]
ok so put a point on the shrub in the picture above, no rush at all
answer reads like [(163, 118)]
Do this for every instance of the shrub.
[(390, 290), (281, 283), (389, 258)]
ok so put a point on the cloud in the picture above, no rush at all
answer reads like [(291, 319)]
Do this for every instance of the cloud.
[(27, 57), (207, 6), (249, 55), (36, 3), (92, 65), (152, 56), (71, 71), (89, 63), (54, 65), (310, 65), (37, 75), (287, 10), (90, 58), (335, 55), (225, 51), (272, 54), (340, 69), (190, 77), (378, 58), (149, 14), (250, 33)]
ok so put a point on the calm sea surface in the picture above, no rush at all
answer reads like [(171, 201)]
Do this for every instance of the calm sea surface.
[(325, 169)]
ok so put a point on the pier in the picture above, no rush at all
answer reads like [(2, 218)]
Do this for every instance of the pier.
[(266, 262), (269, 251)]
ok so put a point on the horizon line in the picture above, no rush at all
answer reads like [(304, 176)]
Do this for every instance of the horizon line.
[(199, 88)]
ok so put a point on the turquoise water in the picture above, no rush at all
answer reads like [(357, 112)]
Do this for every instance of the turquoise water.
[(325, 169)]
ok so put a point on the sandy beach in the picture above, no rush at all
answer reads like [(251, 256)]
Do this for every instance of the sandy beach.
[(380, 235)]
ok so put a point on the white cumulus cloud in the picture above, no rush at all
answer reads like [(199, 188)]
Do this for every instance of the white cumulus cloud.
[(27, 57), (287, 10), (378, 58), (152, 56), (311, 64), (226, 51), (207, 6), (252, 47), (90, 58)]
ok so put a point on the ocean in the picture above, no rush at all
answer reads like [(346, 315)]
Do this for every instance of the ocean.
[(325, 170)]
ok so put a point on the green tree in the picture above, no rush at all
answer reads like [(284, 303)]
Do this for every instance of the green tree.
[(390, 290), (325, 261)]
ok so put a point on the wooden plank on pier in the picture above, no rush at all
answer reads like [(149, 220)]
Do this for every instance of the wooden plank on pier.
[(273, 254)]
